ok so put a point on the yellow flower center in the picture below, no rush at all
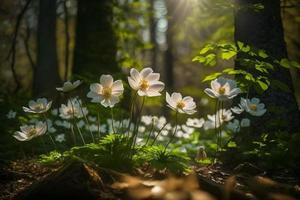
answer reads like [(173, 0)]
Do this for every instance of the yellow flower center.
[(70, 111), (144, 85), (180, 105), (253, 107), (222, 90), (39, 106), (32, 132), (106, 93)]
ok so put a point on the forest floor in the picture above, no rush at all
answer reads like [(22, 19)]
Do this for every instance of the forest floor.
[(26, 179)]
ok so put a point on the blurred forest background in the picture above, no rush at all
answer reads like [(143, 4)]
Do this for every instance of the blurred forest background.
[(46, 42)]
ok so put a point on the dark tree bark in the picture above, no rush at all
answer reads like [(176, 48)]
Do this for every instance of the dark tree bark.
[(95, 48), (152, 25), (169, 57), (46, 76), (264, 30)]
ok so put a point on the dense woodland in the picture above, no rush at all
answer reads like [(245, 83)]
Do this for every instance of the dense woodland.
[(150, 99)]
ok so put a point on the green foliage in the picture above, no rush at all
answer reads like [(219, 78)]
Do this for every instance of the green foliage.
[(254, 65), (114, 151), (159, 158), (50, 158)]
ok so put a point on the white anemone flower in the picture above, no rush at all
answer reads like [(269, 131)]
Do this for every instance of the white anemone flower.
[(179, 104), (145, 82), (245, 122), (223, 89), (234, 126), (194, 122), (146, 119), (41, 105), (221, 117), (72, 109), (69, 86), (252, 106), (108, 92), (60, 138), (30, 131), (11, 114)]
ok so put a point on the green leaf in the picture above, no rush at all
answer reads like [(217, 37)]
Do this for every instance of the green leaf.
[(262, 54), (205, 49), (212, 77), (227, 55), (285, 63), (211, 59), (231, 144), (200, 59), (295, 64), (264, 86)]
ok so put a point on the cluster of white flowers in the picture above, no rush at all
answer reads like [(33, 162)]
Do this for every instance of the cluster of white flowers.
[(72, 109), (251, 106)]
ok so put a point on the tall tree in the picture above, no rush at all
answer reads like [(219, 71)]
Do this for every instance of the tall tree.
[(96, 45), (152, 26), (46, 76), (169, 54), (264, 30)]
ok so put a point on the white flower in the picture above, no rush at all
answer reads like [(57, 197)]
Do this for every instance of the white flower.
[(221, 116), (108, 92), (92, 119), (245, 122), (69, 86), (11, 114), (223, 89), (147, 120), (181, 105), (60, 138), (187, 129), (80, 124), (253, 106), (146, 83), (208, 125), (41, 105), (234, 126), (30, 131), (141, 129), (197, 123), (72, 109), (51, 128)]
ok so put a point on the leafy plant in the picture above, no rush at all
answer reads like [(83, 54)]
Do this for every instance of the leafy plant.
[(255, 65), (158, 158)]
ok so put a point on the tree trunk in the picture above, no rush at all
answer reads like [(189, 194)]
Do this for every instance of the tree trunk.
[(96, 45), (46, 76), (169, 58), (152, 24), (264, 30)]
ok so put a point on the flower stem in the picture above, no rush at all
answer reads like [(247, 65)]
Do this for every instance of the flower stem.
[(98, 117), (136, 129), (112, 120), (174, 133), (131, 112), (86, 120), (48, 130), (80, 133), (160, 130), (150, 133)]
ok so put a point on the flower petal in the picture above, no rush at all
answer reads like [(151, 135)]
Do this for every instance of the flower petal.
[(106, 80)]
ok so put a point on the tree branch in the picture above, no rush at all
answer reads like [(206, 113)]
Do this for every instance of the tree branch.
[(27, 49), (12, 51)]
